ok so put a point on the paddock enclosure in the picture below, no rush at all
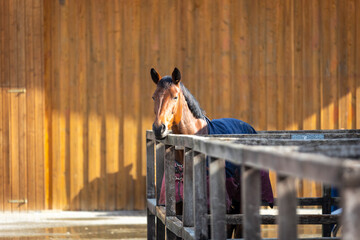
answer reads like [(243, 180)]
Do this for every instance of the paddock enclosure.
[(330, 157), (75, 86)]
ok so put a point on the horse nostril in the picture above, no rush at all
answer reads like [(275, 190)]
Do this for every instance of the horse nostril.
[(163, 128), (159, 130)]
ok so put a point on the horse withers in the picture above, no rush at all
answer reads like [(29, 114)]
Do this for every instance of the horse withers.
[(176, 109)]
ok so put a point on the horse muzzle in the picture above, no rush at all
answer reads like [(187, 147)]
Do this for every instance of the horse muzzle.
[(160, 131)]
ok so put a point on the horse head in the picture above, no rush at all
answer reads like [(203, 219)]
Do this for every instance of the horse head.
[(167, 102)]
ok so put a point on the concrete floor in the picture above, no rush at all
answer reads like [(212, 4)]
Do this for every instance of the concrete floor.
[(73, 225)]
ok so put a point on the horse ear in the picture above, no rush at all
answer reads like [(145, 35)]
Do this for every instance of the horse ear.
[(176, 76), (155, 76)]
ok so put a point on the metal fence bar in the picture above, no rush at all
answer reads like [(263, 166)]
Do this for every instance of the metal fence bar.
[(150, 186), (200, 196), (217, 198), (251, 200), (188, 203), (287, 218)]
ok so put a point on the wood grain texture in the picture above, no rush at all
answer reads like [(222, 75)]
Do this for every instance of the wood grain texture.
[(85, 66)]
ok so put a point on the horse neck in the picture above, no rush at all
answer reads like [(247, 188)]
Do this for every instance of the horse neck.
[(188, 123)]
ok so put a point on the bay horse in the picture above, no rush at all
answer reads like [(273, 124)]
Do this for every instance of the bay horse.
[(176, 109)]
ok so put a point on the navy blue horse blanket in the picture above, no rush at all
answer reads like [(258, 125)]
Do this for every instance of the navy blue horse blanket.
[(226, 126), (235, 126)]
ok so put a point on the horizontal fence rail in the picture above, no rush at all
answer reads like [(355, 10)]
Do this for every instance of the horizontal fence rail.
[(330, 157)]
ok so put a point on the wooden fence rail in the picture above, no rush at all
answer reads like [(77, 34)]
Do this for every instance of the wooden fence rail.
[(304, 154)]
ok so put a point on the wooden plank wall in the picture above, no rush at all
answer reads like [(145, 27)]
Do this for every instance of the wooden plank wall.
[(276, 64), (279, 64), (22, 114)]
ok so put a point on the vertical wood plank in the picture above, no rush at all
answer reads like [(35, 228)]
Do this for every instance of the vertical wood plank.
[(311, 65), (254, 43), (170, 200), (188, 202), (350, 64), (202, 46), (131, 93), (328, 64), (83, 102), (343, 90), (298, 67), (159, 164), (280, 64), (357, 63), (39, 102), (21, 98), (170, 180), (74, 168), (251, 200), (56, 163), (21, 145), (119, 102), (61, 104), (271, 71), (4, 44), (217, 198), (30, 106), (14, 149), (240, 67), (150, 177), (111, 125), (14, 108), (200, 196), (190, 43), (221, 58), (6, 149), (48, 103), (146, 105), (100, 36), (288, 77), (150, 185), (260, 70), (2, 146), (287, 202), (95, 114)]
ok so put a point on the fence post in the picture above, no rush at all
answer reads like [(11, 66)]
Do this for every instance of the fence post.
[(150, 186), (351, 205), (287, 202), (170, 201), (251, 201), (200, 196), (326, 209), (160, 155), (188, 203), (217, 198)]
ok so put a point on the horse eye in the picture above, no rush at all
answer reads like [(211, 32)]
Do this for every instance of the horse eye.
[(175, 98), (153, 98)]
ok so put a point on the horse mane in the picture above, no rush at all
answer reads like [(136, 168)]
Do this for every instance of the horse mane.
[(192, 103)]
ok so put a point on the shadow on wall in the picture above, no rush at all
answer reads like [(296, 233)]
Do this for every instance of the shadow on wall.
[(112, 191)]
